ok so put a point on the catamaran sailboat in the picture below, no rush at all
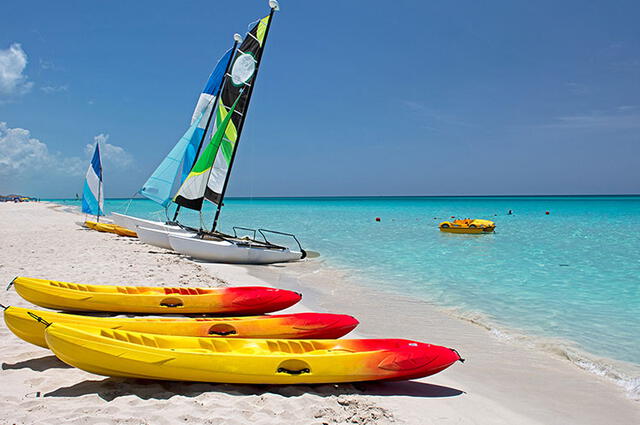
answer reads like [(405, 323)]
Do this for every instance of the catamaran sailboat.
[(208, 177)]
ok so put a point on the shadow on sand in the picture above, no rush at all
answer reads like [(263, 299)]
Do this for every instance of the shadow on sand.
[(111, 388), (39, 365)]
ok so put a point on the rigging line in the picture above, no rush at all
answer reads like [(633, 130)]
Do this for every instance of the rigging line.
[(126, 210)]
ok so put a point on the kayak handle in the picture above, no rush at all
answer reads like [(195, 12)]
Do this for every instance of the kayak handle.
[(293, 372), (172, 302), (222, 333)]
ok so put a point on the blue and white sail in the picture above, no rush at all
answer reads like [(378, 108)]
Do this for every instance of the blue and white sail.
[(160, 186), (92, 193)]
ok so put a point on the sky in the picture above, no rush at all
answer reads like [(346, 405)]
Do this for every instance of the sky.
[(353, 97)]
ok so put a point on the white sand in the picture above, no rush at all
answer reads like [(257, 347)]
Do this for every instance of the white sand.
[(500, 383)]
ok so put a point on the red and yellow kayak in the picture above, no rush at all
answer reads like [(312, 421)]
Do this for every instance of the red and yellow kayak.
[(284, 326), (241, 300), (112, 352)]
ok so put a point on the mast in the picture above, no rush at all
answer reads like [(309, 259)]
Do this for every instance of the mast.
[(236, 38), (99, 182), (274, 6)]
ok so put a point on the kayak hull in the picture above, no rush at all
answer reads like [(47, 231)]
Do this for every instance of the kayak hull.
[(241, 300), (244, 361), (223, 251), (467, 230), (122, 231), (284, 326)]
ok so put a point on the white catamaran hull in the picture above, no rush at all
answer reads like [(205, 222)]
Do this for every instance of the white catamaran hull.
[(229, 252), (159, 238), (131, 223)]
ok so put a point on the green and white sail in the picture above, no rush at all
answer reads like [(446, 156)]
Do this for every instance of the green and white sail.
[(191, 192)]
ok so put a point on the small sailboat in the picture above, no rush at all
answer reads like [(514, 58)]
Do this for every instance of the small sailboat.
[(208, 177), (92, 193), (93, 199)]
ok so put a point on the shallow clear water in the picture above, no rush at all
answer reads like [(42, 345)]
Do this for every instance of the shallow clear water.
[(573, 274)]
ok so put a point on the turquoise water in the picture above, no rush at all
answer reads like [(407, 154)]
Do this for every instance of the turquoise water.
[(573, 274)]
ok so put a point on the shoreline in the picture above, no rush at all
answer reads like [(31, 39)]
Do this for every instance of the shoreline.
[(625, 375), (408, 322), (501, 382)]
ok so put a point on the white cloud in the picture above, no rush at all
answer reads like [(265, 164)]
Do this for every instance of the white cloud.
[(55, 89), (13, 61), (24, 155), (21, 154), (624, 118), (112, 153), (45, 64), (434, 116), (578, 89)]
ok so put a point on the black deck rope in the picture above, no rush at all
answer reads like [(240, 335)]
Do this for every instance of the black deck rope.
[(11, 283), (39, 319), (458, 354), (4, 307)]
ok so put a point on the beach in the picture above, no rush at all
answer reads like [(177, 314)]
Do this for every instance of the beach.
[(502, 382)]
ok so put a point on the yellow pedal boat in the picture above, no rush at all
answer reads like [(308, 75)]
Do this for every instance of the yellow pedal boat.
[(282, 326), (113, 352), (468, 225)]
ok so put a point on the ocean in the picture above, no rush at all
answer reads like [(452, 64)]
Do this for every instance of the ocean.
[(572, 276)]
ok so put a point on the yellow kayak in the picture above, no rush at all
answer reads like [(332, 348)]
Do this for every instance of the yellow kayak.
[(123, 231), (89, 224), (242, 300), (284, 326), (110, 228), (113, 352)]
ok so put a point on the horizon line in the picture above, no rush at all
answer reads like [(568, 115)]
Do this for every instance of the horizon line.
[(403, 196)]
